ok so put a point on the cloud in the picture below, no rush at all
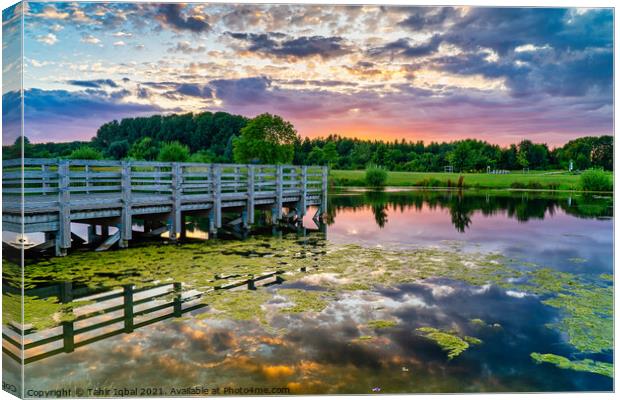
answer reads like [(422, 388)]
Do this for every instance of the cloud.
[(185, 47), (49, 39), (75, 114), (120, 43), (122, 34), (171, 15), (50, 12), (403, 47), (90, 39), (280, 45), (194, 90), (96, 83)]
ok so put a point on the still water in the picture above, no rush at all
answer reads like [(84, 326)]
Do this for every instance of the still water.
[(363, 332)]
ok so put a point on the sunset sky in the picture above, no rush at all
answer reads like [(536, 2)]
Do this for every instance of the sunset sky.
[(432, 74)]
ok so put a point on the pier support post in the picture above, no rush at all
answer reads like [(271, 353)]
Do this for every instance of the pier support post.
[(92, 233), (126, 220)]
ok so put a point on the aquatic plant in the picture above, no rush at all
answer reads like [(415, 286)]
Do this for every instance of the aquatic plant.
[(304, 300), (585, 365), (449, 341), (381, 324)]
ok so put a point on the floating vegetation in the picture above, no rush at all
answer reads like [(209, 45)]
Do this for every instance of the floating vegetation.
[(304, 300), (366, 338), (585, 365), (584, 301), (238, 305), (479, 323), (577, 260), (449, 341), (381, 324)]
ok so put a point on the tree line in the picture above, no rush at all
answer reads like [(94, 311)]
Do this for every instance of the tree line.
[(224, 138)]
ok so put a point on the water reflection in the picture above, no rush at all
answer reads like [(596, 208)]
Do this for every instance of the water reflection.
[(335, 350), (462, 205)]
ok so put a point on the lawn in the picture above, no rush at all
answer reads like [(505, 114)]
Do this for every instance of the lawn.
[(555, 180)]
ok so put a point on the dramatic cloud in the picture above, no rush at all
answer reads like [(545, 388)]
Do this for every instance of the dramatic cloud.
[(95, 84), (171, 15), (419, 73), (280, 45)]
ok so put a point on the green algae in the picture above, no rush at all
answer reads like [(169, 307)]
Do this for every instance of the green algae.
[(577, 260), (304, 300), (237, 305), (366, 338), (381, 324), (584, 303), (449, 341), (585, 365), (39, 313)]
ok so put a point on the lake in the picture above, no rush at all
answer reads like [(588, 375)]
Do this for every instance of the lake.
[(403, 291)]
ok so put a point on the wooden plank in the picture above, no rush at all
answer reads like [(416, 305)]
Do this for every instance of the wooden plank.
[(109, 242)]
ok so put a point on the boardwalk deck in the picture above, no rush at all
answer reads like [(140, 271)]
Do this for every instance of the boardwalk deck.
[(45, 195)]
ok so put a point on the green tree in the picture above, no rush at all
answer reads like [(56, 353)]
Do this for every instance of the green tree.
[(330, 154), (86, 153), (173, 151), (266, 139), (144, 149)]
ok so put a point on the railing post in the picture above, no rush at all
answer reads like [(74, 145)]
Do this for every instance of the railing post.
[(276, 213), (126, 219), (177, 302), (63, 238), (45, 169), (175, 218), (304, 191), (250, 204), (215, 216), (324, 191), (128, 307), (68, 339)]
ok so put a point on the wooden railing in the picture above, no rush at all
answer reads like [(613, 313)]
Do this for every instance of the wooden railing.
[(45, 177)]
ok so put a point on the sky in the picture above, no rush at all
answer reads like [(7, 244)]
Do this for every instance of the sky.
[(373, 72)]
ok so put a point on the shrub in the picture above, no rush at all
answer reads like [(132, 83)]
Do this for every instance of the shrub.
[(517, 185), (534, 185), (596, 180), (173, 151), (85, 153), (375, 176)]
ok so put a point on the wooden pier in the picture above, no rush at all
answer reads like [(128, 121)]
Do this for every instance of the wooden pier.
[(47, 195)]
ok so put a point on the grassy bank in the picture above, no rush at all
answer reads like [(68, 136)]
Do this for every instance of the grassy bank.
[(532, 180)]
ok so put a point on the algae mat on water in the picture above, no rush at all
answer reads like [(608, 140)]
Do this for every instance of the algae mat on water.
[(585, 301)]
